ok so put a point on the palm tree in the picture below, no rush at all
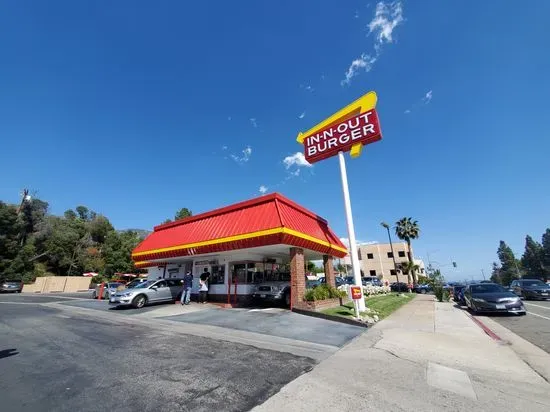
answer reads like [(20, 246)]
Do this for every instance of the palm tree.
[(407, 229), (408, 268)]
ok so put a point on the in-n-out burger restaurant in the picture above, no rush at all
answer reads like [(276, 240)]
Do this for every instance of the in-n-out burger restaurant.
[(242, 245)]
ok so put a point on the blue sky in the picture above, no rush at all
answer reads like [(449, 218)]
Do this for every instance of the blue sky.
[(136, 109)]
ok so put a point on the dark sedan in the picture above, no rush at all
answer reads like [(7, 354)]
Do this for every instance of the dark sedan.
[(490, 297), (531, 289), (11, 286), (422, 289), (458, 294), (399, 287)]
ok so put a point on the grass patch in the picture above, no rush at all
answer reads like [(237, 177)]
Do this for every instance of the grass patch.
[(382, 305)]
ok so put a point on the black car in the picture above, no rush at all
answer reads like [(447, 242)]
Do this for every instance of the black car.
[(490, 297), (422, 289), (399, 287), (458, 294), (339, 281), (15, 286), (531, 288)]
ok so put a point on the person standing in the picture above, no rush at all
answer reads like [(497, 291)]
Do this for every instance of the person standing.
[(187, 285), (203, 290), (205, 280)]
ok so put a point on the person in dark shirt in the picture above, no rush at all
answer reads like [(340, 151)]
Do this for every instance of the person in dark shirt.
[(205, 280), (187, 285)]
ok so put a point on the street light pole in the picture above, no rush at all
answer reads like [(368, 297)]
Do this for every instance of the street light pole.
[(384, 224)]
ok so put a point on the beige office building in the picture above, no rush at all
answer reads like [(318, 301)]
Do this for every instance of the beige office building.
[(376, 260)]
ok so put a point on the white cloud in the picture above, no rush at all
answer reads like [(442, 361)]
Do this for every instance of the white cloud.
[(296, 172), (428, 97), (224, 147), (302, 115), (263, 189), (364, 62), (247, 152), (297, 159), (253, 122), (407, 111), (386, 18)]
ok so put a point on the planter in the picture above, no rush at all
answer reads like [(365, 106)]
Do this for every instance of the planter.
[(318, 305)]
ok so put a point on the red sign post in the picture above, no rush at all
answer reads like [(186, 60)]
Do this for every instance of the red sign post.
[(340, 137)]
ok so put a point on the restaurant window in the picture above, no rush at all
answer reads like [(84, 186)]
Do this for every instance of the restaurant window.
[(372, 272), (401, 253), (217, 277), (259, 272), (370, 256), (390, 254)]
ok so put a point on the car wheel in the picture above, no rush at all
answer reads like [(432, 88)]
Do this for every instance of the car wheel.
[(139, 301), (287, 299)]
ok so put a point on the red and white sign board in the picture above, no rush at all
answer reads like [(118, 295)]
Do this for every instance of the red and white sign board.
[(356, 292), (361, 129)]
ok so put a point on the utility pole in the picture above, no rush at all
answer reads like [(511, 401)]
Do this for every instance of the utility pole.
[(483, 274)]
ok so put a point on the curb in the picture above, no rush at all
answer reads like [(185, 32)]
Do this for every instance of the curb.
[(330, 317), (485, 328)]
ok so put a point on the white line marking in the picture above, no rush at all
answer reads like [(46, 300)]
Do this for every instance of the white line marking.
[(538, 306), (540, 316)]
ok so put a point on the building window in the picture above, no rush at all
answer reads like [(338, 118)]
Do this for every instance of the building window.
[(401, 253), (421, 270), (370, 256), (390, 254), (217, 277), (258, 272), (373, 272), (393, 272), (359, 254)]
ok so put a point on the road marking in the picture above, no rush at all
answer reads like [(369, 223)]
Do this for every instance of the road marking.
[(538, 306), (540, 316)]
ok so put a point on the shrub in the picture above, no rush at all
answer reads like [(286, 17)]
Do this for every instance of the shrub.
[(323, 292), (441, 294)]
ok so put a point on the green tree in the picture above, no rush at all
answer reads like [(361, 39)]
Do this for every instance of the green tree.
[(310, 266), (546, 254), (9, 237), (509, 267), (83, 212), (408, 268), (99, 228), (407, 229), (183, 213), (531, 260), (495, 273), (117, 252)]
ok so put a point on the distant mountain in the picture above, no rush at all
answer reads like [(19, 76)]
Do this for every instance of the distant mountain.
[(142, 233)]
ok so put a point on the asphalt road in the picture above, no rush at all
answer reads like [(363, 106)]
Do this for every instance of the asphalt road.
[(53, 360), (534, 327)]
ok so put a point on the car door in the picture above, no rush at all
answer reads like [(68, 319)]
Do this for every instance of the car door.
[(176, 287), (159, 292)]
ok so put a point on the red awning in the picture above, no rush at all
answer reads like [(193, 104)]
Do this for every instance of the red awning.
[(267, 220)]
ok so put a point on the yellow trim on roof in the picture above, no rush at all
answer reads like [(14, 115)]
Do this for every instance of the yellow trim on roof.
[(268, 232)]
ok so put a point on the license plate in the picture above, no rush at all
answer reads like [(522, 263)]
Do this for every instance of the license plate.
[(262, 296), (501, 306)]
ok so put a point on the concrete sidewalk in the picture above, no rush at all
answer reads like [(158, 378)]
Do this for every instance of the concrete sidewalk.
[(427, 356)]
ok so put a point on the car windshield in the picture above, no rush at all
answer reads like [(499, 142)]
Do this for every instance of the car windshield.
[(114, 285), (144, 285), (533, 283), (487, 288)]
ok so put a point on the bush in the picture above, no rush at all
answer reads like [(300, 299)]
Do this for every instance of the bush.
[(323, 292), (441, 293)]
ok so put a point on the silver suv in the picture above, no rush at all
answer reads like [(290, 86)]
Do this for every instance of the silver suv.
[(151, 291), (275, 290)]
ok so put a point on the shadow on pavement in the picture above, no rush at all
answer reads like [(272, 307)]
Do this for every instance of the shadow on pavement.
[(6, 353)]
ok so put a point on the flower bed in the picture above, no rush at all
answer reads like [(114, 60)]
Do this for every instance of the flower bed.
[(368, 290)]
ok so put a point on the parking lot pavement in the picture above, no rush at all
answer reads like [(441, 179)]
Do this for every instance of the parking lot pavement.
[(56, 360), (28, 298), (104, 305), (533, 327), (275, 322)]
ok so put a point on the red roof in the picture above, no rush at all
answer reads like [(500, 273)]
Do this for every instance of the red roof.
[(266, 220)]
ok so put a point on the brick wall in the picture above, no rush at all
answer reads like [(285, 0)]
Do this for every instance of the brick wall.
[(329, 270), (297, 277), (319, 305)]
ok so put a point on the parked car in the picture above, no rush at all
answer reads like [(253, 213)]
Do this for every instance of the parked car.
[(490, 297), (276, 290), (458, 294), (531, 288), (399, 287), (109, 288), (371, 280), (151, 291), (423, 289), (14, 286), (313, 283), (338, 281)]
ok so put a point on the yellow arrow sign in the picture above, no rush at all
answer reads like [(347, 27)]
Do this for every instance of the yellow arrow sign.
[(361, 105)]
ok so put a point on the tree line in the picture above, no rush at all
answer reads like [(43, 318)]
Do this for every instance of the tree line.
[(534, 263), (35, 243)]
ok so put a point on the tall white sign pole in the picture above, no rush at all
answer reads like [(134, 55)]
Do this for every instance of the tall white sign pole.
[(351, 231)]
